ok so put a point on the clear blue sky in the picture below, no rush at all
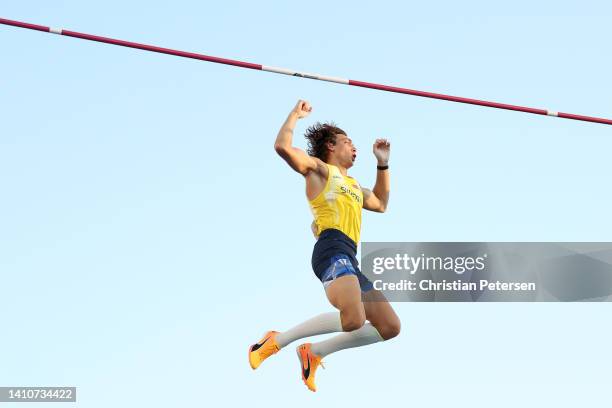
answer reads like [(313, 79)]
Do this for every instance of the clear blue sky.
[(149, 233)]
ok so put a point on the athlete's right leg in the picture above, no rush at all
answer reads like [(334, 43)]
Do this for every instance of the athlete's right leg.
[(321, 324), (344, 293)]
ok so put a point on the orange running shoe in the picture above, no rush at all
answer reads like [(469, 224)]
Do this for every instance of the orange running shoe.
[(263, 349), (309, 362)]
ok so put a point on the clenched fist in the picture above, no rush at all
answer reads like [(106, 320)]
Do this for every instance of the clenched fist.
[(382, 150), (302, 109)]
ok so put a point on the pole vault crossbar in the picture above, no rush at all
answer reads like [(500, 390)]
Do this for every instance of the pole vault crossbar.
[(285, 71)]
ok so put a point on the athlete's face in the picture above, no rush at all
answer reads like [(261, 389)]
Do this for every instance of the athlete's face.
[(344, 151)]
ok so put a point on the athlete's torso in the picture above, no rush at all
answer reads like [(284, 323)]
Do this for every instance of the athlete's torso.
[(338, 205)]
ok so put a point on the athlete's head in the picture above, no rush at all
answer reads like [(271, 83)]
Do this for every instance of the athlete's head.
[(330, 143)]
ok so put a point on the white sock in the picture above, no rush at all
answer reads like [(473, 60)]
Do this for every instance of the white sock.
[(321, 324), (366, 334)]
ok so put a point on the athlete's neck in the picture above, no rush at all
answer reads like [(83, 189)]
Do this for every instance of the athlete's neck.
[(340, 167)]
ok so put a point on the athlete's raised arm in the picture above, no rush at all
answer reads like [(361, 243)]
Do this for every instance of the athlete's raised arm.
[(378, 198), (297, 158)]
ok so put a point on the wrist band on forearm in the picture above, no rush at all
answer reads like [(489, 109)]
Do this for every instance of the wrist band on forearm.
[(382, 167)]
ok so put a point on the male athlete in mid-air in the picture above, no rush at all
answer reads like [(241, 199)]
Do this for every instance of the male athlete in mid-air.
[(336, 200)]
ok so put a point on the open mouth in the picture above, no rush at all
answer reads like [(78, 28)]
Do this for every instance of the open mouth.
[(354, 157)]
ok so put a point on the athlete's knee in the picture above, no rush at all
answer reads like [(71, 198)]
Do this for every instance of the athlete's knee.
[(390, 329), (352, 324), (352, 319)]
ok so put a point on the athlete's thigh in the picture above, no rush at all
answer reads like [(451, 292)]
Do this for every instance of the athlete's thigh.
[(344, 292), (379, 311)]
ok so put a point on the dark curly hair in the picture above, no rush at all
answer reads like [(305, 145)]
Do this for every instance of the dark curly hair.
[(318, 135)]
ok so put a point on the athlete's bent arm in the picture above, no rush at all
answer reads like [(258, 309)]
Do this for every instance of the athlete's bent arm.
[(378, 198), (295, 157)]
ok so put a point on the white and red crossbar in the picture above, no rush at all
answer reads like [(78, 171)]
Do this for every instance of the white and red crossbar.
[(303, 74)]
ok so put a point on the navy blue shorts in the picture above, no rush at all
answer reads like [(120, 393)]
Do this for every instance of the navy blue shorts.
[(333, 256)]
